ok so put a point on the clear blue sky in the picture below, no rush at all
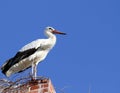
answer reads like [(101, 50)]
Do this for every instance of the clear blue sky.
[(87, 57)]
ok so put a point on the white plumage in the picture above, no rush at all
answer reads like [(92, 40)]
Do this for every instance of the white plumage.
[(34, 44), (31, 54)]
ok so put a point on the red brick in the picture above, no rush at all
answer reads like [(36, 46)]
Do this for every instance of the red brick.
[(33, 87), (34, 91), (45, 85), (45, 90)]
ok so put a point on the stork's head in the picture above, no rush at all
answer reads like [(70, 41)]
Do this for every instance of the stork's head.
[(53, 31)]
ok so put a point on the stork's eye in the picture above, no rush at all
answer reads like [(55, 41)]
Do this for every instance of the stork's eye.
[(50, 28)]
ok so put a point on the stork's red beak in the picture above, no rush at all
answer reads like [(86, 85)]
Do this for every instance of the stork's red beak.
[(57, 32)]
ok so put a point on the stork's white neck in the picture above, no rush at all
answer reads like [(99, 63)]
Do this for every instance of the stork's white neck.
[(50, 36)]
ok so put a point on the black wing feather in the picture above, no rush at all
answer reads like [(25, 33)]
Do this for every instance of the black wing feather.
[(18, 57)]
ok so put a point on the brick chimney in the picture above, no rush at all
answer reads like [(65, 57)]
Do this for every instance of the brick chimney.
[(32, 86)]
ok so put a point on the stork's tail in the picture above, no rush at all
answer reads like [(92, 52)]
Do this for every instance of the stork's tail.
[(5, 67)]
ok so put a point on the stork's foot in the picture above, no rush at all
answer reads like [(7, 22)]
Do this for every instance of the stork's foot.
[(33, 78)]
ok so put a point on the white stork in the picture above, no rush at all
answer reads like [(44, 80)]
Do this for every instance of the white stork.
[(31, 54)]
